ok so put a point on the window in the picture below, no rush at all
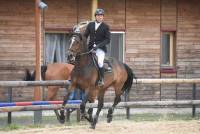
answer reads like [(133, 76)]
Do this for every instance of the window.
[(116, 47), (168, 49), (55, 47)]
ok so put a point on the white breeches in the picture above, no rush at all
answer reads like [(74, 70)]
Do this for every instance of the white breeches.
[(100, 56)]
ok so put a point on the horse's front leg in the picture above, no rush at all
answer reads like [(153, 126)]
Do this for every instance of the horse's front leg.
[(100, 106), (66, 97), (82, 106)]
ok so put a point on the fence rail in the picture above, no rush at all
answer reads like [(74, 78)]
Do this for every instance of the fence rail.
[(66, 82), (106, 105), (10, 84), (34, 83)]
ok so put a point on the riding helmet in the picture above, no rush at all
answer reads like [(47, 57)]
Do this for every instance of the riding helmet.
[(99, 12)]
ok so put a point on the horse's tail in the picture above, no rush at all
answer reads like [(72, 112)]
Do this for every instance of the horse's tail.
[(129, 81), (43, 71), (31, 76), (28, 76)]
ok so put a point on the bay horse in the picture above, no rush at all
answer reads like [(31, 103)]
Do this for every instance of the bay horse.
[(54, 71), (85, 75)]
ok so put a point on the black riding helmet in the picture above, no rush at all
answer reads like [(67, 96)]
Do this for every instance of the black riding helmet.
[(99, 12)]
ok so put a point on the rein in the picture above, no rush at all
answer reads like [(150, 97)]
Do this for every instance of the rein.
[(88, 52)]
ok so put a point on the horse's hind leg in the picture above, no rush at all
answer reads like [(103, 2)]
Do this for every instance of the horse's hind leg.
[(111, 110), (90, 110), (52, 92)]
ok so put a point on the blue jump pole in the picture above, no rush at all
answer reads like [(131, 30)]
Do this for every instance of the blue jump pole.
[(38, 103)]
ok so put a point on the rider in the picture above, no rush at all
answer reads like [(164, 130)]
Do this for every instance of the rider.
[(99, 37)]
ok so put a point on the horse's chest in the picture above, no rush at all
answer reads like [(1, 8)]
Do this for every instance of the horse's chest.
[(83, 77)]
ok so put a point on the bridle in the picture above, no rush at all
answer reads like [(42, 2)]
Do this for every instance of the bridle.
[(73, 52)]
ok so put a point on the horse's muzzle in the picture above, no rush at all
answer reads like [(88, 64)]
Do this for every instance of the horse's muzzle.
[(70, 57)]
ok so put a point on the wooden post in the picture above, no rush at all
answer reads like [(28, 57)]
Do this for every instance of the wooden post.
[(194, 98), (38, 35), (93, 8), (37, 91), (9, 100)]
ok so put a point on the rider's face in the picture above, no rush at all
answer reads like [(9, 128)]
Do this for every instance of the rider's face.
[(99, 18)]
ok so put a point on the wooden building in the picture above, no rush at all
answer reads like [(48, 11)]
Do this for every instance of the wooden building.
[(157, 38)]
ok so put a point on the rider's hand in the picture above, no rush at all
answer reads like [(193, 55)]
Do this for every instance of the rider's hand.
[(94, 47), (93, 50)]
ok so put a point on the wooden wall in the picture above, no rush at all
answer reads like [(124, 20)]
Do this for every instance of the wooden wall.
[(17, 37), (114, 13), (168, 23), (84, 10), (143, 44), (168, 15), (17, 41), (61, 14), (188, 44)]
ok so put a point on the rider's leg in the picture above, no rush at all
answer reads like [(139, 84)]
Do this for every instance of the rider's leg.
[(100, 56)]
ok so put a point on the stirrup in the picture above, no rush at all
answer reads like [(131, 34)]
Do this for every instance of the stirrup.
[(109, 70), (100, 83)]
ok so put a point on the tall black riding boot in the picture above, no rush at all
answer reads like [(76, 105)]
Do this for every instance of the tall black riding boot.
[(101, 81)]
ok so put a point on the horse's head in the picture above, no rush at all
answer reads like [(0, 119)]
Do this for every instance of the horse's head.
[(77, 46), (78, 43)]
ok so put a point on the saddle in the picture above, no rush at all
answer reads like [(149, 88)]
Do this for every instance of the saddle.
[(107, 64)]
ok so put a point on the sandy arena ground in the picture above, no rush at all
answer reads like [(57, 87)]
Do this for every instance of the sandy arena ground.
[(119, 127)]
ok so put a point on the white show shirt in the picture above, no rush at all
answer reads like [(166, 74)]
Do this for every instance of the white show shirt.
[(97, 25)]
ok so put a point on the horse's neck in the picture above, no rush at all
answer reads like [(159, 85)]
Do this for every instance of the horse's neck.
[(83, 61)]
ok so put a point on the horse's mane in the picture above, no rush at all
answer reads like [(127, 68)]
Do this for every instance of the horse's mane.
[(81, 27)]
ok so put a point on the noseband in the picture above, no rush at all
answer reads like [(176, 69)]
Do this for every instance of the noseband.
[(78, 35)]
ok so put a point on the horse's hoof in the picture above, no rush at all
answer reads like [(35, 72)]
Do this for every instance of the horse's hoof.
[(93, 123), (82, 117), (62, 117), (62, 121), (109, 120), (93, 126)]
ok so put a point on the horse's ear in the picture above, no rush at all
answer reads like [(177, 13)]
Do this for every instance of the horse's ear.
[(27, 76)]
